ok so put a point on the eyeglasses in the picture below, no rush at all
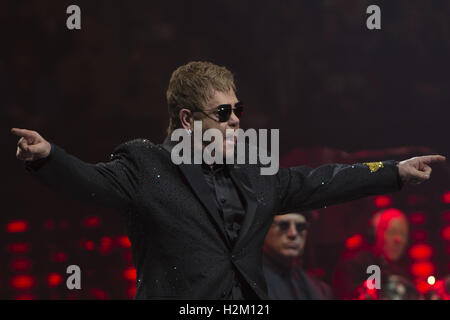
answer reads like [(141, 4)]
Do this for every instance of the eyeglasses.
[(223, 112), (285, 225)]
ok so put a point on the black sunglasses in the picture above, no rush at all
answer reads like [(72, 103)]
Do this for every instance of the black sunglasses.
[(223, 112), (285, 225)]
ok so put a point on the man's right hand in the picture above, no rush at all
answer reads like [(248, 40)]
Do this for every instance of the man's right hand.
[(31, 145)]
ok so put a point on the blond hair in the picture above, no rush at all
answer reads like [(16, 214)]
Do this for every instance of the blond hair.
[(192, 85)]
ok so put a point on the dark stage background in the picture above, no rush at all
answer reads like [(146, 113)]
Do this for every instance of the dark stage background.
[(338, 92)]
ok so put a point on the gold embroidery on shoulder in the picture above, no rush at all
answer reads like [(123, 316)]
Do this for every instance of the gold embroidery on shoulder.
[(374, 166)]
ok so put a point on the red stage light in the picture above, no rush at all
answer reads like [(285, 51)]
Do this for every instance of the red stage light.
[(59, 257), (422, 269), (19, 247), (422, 286), (21, 264), (124, 242), (445, 233), (420, 252), (131, 291), (24, 296), (382, 201), (17, 226), (22, 282), (99, 294), (419, 235), (89, 245), (130, 273), (446, 197), (417, 218), (354, 242), (54, 279), (91, 222), (105, 245)]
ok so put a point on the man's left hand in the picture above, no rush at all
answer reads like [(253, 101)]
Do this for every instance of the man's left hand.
[(417, 170)]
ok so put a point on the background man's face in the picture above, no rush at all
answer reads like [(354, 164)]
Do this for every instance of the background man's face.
[(218, 99), (394, 239), (289, 244)]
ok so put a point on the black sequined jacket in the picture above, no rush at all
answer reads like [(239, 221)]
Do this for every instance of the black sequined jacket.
[(179, 244)]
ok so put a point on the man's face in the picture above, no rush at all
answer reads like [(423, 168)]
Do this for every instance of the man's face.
[(286, 244), (394, 239), (218, 99)]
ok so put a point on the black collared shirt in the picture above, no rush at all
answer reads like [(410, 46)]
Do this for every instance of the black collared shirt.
[(227, 198), (230, 205)]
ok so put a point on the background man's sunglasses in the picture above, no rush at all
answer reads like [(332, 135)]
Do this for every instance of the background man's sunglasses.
[(223, 112), (285, 225)]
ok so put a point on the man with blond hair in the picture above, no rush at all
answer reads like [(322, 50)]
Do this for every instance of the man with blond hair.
[(197, 230)]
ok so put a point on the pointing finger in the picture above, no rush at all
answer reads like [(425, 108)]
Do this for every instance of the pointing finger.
[(27, 134), (432, 158)]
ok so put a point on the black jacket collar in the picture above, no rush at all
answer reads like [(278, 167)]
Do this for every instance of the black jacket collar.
[(194, 176)]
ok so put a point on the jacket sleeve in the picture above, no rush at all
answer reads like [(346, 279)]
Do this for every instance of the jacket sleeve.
[(303, 188), (111, 184)]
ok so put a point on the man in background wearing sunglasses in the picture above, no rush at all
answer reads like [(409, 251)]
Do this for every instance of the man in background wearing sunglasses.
[(283, 247), (197, 231)]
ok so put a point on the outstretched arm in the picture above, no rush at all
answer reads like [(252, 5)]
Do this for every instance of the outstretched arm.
[(302, 188), (113, 184)]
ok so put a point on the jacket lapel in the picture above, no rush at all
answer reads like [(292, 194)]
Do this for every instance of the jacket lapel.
[(194, 176)]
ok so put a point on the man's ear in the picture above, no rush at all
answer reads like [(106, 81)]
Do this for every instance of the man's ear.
[(186, 118)]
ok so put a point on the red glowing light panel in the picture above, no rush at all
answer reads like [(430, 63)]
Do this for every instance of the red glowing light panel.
[(420, 252), (54, 279), (446, 197), (124, 242), (422, 269), (131, 291), (130, 273), (445, 233), (17, 226), (19, 247), (99, 294), (21, 264), (354, 242), (91, 222), (382, 201), (422, 286), (105, 245), (417, 218), (59, 257), (22, 282)]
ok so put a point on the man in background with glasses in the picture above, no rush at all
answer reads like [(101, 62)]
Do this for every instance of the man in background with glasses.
[(283, 248)]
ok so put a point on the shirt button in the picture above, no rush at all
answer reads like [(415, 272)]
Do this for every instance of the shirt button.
[(223, 200)]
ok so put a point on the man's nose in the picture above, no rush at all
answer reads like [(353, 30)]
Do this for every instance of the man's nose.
[(292, 232), (233, 122)]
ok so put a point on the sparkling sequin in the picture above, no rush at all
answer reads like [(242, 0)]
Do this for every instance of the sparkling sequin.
[(374, 166)]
